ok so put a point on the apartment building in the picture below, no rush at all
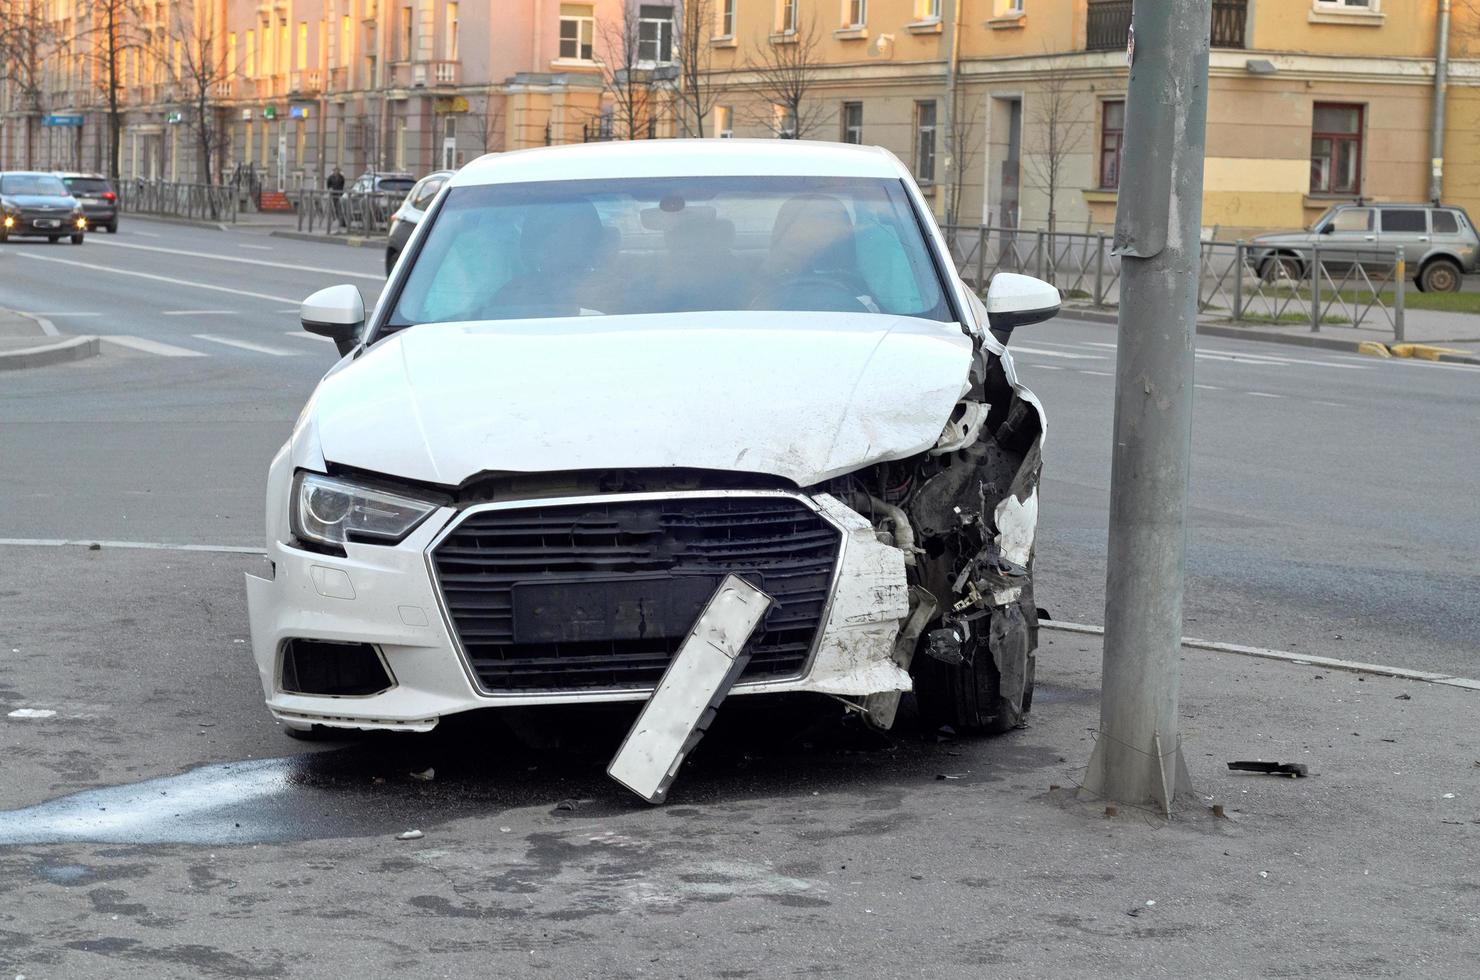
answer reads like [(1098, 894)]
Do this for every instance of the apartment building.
[(1008, 110), (297, 87)]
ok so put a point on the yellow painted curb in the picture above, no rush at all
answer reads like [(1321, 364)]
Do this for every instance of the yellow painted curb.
[(1374, 348), (1424, 352)]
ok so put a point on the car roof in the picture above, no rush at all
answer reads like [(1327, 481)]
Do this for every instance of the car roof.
[(79, 173), (682, 158), (1399, 204)]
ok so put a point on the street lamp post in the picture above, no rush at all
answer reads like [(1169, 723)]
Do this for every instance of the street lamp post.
[(1137, 758)]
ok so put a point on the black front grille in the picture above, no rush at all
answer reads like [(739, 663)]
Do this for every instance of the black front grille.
[(600, 594)]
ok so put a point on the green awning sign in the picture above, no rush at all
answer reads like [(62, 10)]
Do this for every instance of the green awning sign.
[(269, 112)]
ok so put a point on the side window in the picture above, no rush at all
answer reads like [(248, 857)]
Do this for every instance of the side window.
[(1352, 219), (425, 194), (1445, 223), (1409, 220)]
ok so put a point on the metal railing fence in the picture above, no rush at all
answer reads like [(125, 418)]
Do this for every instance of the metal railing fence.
[(328, 212), (1241, 282), (205, 202)]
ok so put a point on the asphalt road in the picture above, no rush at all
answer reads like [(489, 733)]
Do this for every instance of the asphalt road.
[(1333, 503), (155, 823)]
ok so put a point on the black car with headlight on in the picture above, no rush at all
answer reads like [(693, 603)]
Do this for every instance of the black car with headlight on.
[(37, 205)]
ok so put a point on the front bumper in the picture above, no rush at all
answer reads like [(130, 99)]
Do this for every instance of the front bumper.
[(388, 597)]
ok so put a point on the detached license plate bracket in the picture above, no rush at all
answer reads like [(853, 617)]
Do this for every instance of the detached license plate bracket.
[(619, 607)]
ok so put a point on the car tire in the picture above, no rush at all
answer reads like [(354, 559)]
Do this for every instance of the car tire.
[(1440, 276), (77, 239), (1281, 266), (969, 697), (112, 227), (390, 260)]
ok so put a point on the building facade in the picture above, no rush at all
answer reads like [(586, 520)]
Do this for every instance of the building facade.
[(1011, 111)]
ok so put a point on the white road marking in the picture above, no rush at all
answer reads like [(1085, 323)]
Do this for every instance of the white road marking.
[(1302, 659), (295, 310), (197, 312), (1016, 349), (23, 713), (227, 549), (1282, 359), (1207, 387), (305, 335), (1420, 362), (260, 248), (1099, 343), (1047, 367), (1203, 356), (1330, 404), (241, 261), (1262, 394), (150, 346), (1098, 374), (146, 234), (245, 345), (51, 313), (151, 276)]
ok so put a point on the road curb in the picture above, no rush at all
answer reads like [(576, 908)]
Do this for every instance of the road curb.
[(71, 349), (1430, 352), (354, 241), (1236, 333)]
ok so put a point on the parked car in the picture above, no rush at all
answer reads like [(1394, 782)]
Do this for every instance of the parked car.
[(1439, 244), (382, 183), (609, 376), (37, 205), (98, 198), (411, 211)]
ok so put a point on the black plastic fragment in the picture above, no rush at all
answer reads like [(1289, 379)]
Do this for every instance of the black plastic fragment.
[(1293, 769)]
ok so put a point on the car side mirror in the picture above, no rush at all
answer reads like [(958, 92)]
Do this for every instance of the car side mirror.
[(1014, 300), (337, 313), (1327, 229)]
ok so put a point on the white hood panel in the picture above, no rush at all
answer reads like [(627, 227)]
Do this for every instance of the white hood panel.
[(803, 396)]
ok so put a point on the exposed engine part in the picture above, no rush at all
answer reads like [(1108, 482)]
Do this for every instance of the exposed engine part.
[(967, 423), (904, 532), (879, 709), (946, 644)]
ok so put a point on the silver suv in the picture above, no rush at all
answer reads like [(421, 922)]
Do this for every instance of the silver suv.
[(1438, 242)]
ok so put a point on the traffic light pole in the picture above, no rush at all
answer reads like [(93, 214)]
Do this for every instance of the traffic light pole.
[(1137, 759)]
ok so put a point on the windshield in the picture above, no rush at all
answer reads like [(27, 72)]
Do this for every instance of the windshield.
[(639, 246), (41, 185), (396, 185)]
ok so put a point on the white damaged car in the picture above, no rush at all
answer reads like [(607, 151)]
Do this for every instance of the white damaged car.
[(602, 378)]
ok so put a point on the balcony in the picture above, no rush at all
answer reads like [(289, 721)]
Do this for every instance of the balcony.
[(433, 73), (1109, 23), (305, 82)]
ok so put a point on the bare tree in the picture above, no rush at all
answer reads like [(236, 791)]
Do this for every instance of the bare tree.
[(27, 37), (488, 125), (1056, 133), (628, 82), (964, 146), (785, 75), (198, 67), (698, 88), (116, 28)]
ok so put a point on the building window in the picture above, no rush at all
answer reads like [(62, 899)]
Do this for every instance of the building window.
[(654, 34), (784, 122), (787, 23), (727, 18), (1340, 6), (406, 33), (346, 42), (577, 27), (852, 116), (1336, 149), (857, 15), (251, 67), (925, 142), (300, 53), (723, 122), (927, 9), (452, 32), (1112, 133)]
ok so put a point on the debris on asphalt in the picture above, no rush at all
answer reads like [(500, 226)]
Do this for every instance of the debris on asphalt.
[(568, 805), (410, 835), (94, 547), (426, 775), (1403, 697), (950, 775), (1295, 770), (1264, 874), (23, 713)]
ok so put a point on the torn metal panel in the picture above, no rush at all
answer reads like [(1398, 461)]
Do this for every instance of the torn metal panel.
[(700, 675)]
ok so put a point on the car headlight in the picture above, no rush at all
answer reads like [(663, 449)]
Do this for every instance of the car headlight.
[(331, 511)]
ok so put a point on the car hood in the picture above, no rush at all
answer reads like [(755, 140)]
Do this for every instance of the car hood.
[(39, 201), (802, 396)]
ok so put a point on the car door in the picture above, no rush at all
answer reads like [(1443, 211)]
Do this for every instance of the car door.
[(1405, 228), (1447, 233), (1348, 237)]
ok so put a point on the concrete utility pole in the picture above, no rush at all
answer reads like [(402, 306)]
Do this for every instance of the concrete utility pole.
[(1441, 86), (1137, 758)]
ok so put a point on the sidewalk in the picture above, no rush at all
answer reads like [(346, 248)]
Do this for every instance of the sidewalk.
[(1453, 331), (274, 223), (27, 342), (780, 853)]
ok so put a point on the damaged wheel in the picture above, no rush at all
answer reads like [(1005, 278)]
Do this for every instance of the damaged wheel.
[(991, 691)]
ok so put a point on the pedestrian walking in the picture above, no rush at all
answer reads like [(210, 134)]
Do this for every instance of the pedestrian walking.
[(335, 183)]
